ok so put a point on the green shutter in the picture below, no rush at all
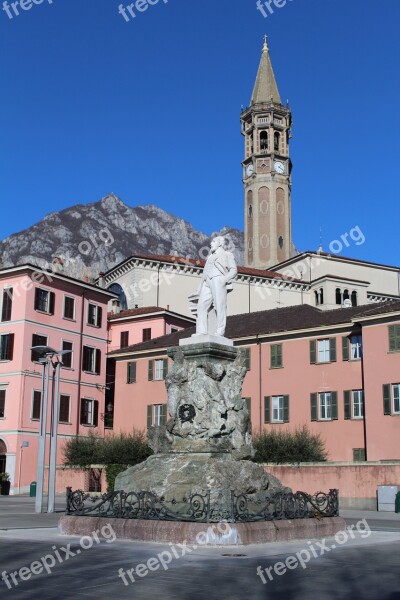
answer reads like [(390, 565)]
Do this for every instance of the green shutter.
[(267, 409), (286, 409), (392, 338), (273, 357), (149, 416), (314, 407), (345, 348), (387, 401), (163, 420), (131, 376), (279, 355), (313, 352), (150, 373), (347, 403), (334, 406), (332, 349), (165, 367), (276, 356), (247, 359)]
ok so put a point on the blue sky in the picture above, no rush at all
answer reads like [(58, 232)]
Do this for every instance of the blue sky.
[(149, 109)]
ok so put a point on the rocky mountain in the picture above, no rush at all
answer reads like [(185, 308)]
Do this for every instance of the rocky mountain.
[(84, 240)]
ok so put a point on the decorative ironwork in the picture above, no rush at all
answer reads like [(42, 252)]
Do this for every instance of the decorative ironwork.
[(210, 507), (187, 413)]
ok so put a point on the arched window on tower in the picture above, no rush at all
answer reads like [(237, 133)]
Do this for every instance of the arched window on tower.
[(319, 297), (117, 289), (339, 299), (280, 242), (250, 210), (264, 141), (346, 295), (354, 299), (277, 139)]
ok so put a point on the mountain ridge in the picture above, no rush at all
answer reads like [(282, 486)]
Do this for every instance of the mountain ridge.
[(84, 240)]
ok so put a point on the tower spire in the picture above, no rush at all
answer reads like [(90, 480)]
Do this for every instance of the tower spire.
[(265, 88)]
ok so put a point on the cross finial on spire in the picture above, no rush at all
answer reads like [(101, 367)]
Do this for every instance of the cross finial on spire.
[(265, 47)]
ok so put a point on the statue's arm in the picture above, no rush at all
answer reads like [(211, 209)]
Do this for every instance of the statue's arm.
[(232, 268)]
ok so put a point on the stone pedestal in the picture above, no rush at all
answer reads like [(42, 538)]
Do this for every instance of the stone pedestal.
[(208, 438)]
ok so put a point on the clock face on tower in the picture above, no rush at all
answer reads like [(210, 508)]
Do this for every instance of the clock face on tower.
[(279, 167), (250, 170)]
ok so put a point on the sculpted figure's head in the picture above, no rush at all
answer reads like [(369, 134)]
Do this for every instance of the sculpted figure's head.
[(217, 242)]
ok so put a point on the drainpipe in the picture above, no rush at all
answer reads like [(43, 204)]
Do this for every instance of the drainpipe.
[(158, 284), (364, 403), (259, 381), (78, 409)]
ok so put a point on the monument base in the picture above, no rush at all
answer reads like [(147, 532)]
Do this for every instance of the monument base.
[(199, 338), (205, 534)]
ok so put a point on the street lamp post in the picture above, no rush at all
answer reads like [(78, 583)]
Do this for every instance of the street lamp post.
[(47, 359)]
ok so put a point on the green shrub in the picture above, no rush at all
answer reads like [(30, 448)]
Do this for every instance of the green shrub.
[(283, 446), (123, 449), (111, 473)]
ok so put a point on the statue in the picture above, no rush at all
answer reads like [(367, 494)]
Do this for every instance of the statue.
[(219, 272)]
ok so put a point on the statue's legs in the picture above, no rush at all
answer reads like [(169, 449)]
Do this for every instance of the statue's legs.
[(203, 307)]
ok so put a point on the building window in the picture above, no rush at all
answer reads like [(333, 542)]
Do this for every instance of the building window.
[(131, 372), (67, 358), (89, 412), (281, 242), (6, 308), (339, 298), (94, 316), (319, 297), (69, 307), (156, 415), (323, 351), (277, 139), (117, 289), (36, 405), (276, 356), (64, 416), (2, 403), (7, 346), (146, 335), (44, 301), (358, 404), (38, 340), (124, 339), (396, 399), (264, 141), (276, 409), (157, 369), (359, 455), (324, 406), (356, 347), (91, 360), (394, 338), (354, 299)]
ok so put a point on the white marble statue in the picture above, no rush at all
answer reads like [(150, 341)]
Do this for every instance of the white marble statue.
[(219, 272)]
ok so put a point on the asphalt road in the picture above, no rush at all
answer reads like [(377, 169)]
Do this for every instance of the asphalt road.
[(368, 570)]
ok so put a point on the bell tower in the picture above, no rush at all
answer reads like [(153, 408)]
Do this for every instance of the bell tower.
[(266, 127)]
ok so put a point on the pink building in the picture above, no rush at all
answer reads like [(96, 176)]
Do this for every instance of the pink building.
[(336, 371), (45, 308)]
